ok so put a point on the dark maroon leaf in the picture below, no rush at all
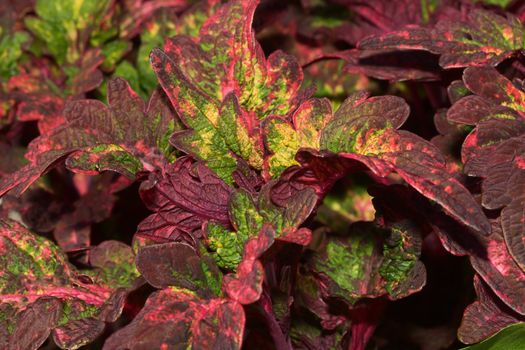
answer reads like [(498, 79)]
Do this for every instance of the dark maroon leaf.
[(178, 264), (486, 316), (184, 198)]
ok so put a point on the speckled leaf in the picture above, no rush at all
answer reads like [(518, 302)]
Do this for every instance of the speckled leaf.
[(125, 136), (178, 319), (226, 58), (364, 129), (178, 264), (494, 149), (284, 140), (41, 96), (499, 270), (35, 280), (222, 87), (483, 38), (245, 286), (370, 262), (485, 317), (183, 199)]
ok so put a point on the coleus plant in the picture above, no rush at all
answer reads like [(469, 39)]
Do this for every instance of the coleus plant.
[(268, 214)]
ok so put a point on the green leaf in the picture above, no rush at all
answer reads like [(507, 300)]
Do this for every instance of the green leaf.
[(223, 87), (113, 52), (509, 338), (64, 25), (11, 52)]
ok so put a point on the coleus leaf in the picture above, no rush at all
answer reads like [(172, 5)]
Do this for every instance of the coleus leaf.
[(184, 198), (308, 336), (180, 265), (61, 25), (180, 319), (378, 17), (485, 317), (72, 231), (11, 50), (284, 140), (370, 262), (41, 93), (114, 264), (97, 137), (494, 149), (248, 215), (222, 87), (510, 337), (245, 286), (36, 280), (309, 295), (499, 270), (192, 310), (163, 25), (483, 38), (392, 65), (364, 130)]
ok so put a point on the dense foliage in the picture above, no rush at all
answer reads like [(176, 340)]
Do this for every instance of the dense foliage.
[(262, 174)]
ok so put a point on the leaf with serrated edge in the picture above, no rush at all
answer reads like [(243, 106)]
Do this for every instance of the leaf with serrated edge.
[(127, 136)]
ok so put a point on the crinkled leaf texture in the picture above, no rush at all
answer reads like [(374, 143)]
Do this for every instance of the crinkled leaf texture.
[(483, 38), (187, 196), (40, 293), (249, 215), (246, 285), (512, 337), (222, 87), (127, 137), (369, 262)]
